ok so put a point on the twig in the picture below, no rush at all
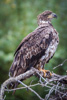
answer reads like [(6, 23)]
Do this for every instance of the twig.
[(48, 95), (31, 90), (60, 64), (22, 87)]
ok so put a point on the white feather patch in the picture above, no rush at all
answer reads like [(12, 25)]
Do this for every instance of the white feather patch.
[(42, 21)]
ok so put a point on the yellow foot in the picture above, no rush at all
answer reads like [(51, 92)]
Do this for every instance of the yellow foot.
[(46, 73)]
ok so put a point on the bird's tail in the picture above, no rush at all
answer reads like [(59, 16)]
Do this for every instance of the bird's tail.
[(13, 72), (13, 86)]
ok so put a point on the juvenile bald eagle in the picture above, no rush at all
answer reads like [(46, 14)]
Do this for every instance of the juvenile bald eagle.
[(38, 47)]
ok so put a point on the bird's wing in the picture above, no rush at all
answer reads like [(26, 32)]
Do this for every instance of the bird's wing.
[(32, 48), (45, 34)]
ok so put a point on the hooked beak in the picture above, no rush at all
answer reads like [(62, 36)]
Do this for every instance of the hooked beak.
[(53, 15)]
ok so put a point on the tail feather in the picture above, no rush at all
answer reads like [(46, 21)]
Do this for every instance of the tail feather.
[(13, 72), (13, 86)]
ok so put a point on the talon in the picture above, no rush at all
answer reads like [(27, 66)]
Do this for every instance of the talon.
[(46, 73)]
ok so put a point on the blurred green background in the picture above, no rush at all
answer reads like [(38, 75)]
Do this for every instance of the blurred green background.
[(17, 19)]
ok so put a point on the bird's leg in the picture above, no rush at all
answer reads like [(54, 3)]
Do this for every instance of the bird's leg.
[(46, 73)]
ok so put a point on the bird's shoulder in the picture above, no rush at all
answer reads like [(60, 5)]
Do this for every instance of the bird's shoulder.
[(39, 37)]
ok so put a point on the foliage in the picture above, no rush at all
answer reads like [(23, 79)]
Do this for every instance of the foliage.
[(17, 19)]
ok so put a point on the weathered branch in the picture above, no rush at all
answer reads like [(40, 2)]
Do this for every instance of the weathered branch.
[(15, 79), (60, 64), (53, 84)]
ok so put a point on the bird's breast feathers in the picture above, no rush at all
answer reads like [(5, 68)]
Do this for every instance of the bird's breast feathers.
[(52, 47)]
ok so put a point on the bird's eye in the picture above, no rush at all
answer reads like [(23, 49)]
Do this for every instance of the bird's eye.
[(46, 15)]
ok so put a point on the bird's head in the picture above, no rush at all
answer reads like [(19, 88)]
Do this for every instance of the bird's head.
[(46, 17)]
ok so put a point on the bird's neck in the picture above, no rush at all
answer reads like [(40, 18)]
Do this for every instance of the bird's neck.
[(42, 22)]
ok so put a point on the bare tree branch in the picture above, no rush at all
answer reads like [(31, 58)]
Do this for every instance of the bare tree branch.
[(15, 79), (56, 84), (60, 64), (31, 90)]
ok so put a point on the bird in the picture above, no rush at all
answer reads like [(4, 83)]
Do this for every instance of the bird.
[(37, 48)]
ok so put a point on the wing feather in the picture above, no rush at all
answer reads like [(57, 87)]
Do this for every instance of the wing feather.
[(31, 49)]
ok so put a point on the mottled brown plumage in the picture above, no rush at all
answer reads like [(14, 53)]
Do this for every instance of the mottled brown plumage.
[(38, 47)]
